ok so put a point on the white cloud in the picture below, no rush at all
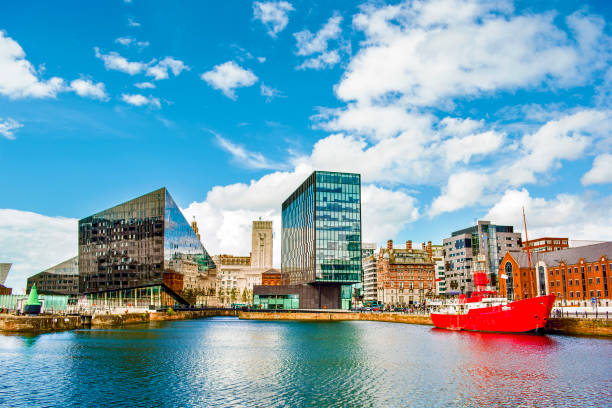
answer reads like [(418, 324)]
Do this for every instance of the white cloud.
[(563, 139), (160, 69), (141, 100), (463, 189), (114, 61), (309, 43), (133, 23), (321, 61), (427, 53), (18, 78), (261, 59), (34, 242), (601, 172), (245, 157), (144, 85), (273, 14), (462, 149), (564, 215), (385, 213), (270, 93), (8, 127), (127, 41), (225, 216), (86, 88), (229, 76)]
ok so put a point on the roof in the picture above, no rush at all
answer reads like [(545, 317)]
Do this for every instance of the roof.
[(4, 270), (570, 256)]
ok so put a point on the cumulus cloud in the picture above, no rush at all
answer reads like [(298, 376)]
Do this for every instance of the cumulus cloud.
[(563, 139), (462, 189), (427, 53), (225, 216), (273, 14), (133, 23), (317, 44), (601, 172), (228, 76), (562, 215), (114, 61), (18, 77), (34, 242), (160, 69), (86, 88), (141, 100), (157, 69), (8, 127)]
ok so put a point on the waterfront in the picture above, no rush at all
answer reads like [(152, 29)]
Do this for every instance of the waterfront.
[(224, 361)]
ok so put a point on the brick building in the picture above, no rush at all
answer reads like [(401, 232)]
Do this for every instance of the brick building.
[(271, 277), (405, 276), (575, 275), (546, 244)]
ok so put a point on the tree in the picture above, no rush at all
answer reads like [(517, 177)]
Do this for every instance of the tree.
[(244, 295), (233, 295)]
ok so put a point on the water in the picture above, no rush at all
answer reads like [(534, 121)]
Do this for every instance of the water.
[(224, 362)]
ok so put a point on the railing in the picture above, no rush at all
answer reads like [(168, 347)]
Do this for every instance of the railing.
[(581, 314)]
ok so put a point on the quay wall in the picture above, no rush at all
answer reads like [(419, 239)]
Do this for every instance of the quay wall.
[(338, 316), (573, 326), (582, 327), (11, 323), (46, 323)]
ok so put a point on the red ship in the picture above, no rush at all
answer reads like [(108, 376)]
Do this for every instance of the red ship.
[(485, 311)]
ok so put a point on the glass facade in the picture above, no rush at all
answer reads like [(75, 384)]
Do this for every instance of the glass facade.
[(142, 242), (321, 230), (277, 301)]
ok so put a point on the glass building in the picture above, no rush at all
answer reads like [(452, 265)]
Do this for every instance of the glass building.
[(321, 235), (140, 253)]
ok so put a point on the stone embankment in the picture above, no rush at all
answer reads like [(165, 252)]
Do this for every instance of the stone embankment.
[(338, 316), (573, 326), (11, 323)]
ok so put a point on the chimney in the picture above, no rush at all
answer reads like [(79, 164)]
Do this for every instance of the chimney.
[(429, 249), (390, 244), (409, 244)]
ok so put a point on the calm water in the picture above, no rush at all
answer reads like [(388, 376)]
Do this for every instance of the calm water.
[(226, 362)]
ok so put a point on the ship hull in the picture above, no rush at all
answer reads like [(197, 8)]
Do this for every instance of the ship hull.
[(516, 317)]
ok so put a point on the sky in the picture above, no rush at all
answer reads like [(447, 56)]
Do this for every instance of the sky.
[(452, 111)]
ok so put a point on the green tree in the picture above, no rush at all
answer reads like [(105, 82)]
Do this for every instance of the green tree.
[(233, 295)]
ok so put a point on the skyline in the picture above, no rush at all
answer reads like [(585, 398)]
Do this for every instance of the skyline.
[(450, 111)]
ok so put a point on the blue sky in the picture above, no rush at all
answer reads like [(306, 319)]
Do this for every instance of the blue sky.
[(451, 111)]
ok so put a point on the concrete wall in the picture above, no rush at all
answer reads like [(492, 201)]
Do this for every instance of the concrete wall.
[(38, 323)]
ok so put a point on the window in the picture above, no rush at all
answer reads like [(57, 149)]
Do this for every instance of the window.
[(571, 294), (599, 293), (591, 293), (570, 282), (590, 281), (597, 281), (577, 282)]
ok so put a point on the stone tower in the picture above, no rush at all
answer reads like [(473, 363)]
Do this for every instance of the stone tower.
[(261, 241)]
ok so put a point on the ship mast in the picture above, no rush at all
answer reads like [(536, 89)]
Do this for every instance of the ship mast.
[(528, 254)]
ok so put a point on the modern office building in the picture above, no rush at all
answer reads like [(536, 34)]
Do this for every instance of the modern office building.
[(405, 275), (61, 279), (437, 254), (577, 276), (140, 253), (546, 244), (321, 244), (462, 246)]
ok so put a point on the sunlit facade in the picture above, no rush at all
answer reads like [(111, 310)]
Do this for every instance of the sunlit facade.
[(142, 250), (321, 234), (321, 240)]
